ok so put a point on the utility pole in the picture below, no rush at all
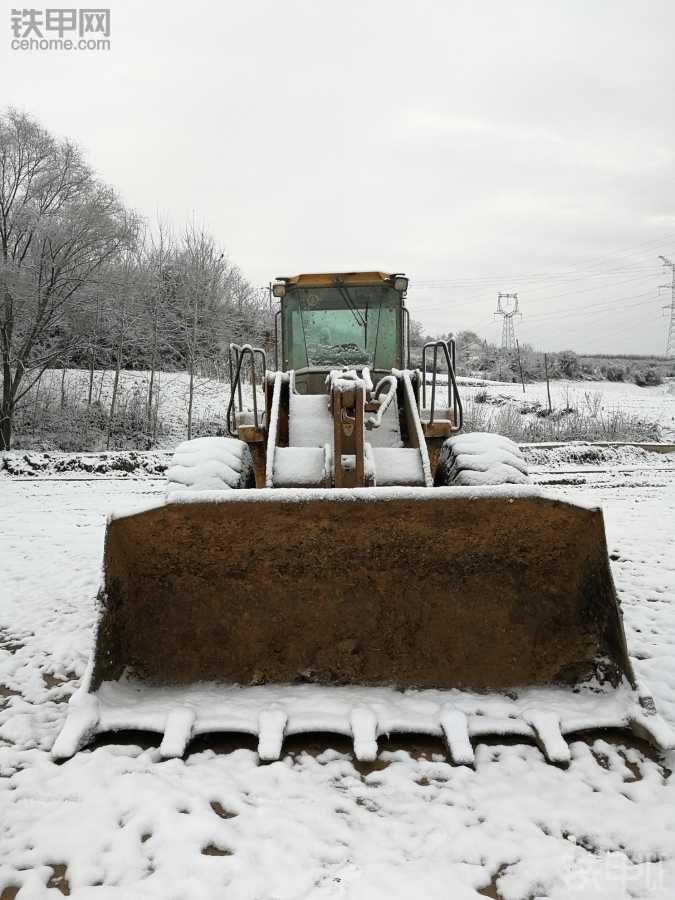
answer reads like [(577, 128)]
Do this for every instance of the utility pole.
[(548, 386), (670, 340), (507, 306), (520, 366)]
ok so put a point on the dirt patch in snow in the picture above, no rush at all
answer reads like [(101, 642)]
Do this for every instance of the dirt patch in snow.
[(6, 693), (213, 850), (59, 879), (9, 893), (491, 890), (8, 642), (615, 750), (220, 810), (53, 682)]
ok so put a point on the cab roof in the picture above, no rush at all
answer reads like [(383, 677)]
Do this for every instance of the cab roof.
[(327, 279)]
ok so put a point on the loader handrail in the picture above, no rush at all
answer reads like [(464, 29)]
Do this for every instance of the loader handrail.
[(277, 316), (273, 429), (237, 354), (405, 336), (454, 400), (376, 420)]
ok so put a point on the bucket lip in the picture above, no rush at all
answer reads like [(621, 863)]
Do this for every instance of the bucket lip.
[(506, 492), (545, 713)]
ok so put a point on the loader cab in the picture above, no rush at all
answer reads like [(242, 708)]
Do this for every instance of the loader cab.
[(342, 407), (345, 320)]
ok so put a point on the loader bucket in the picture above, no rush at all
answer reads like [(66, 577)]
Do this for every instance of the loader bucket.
[(427, 588)]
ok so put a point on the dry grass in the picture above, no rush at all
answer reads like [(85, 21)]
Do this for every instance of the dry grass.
[(74, 424), (532, 423), (57, 415)]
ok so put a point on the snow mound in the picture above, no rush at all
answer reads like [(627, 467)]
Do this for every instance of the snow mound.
[(582, 454), (116, 463)]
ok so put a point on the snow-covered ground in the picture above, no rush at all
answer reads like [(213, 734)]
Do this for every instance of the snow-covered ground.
[(116, 821), (650, 404)]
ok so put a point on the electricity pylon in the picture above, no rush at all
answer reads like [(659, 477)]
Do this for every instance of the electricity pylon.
[(507, 306), (670, 340)]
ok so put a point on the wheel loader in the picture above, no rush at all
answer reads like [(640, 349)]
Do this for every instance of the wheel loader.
[(349, 561)]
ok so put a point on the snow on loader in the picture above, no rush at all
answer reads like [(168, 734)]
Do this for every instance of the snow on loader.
[(349, 562)]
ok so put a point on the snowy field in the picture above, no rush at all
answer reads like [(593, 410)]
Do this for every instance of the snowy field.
[(115, 821), (650, 404)]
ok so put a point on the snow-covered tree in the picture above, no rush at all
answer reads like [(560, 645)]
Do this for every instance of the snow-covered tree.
[(60, 228)]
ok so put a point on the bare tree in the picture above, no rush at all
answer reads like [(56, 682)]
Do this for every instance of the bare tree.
[(123, 321), (202, 271), (60, 229), (160, 268)]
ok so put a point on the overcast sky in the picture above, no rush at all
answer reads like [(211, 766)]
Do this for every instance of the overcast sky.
[(478, 147)]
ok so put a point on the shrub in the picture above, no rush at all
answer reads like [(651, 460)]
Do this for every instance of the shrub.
[(647, 377), (615, 373)]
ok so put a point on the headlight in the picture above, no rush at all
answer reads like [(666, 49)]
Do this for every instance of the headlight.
[(401, 283), (279, 289)]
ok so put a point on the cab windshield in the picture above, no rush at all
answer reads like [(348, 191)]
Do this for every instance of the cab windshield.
[(342, 326)]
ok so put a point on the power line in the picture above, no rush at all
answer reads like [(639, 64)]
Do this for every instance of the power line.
[(600, 306), (670, 340), (590, 266), (568, 276), (477, 290)]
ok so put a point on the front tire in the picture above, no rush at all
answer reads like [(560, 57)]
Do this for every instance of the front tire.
[(210, 464), (480, 458)]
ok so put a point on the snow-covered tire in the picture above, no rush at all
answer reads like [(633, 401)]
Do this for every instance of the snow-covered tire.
[(480, 458), (210, 464)]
